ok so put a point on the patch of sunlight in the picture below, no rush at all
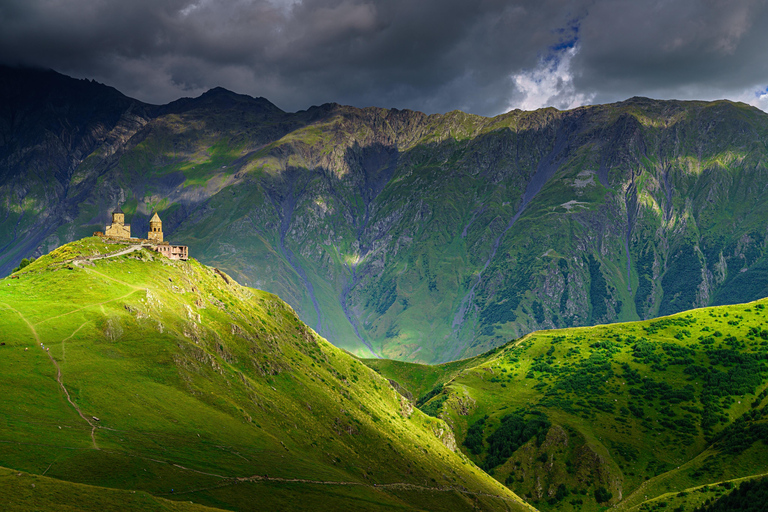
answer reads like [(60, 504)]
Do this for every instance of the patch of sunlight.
[(573, 204), (352, 259), (647, 200), (584, 178)]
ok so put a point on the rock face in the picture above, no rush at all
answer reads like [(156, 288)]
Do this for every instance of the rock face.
[(426, 238)]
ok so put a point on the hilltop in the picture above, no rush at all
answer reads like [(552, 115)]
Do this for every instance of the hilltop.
[(425, 238), (125, 372), (640, 416)]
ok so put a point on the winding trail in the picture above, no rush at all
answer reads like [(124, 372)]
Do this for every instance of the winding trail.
[(127, 250), (69, 399), (63, 350), (129, 285), (394, 485), (58, 374), (31, 326), (226, 481), (134, 288), (88, 306), (230, 481)]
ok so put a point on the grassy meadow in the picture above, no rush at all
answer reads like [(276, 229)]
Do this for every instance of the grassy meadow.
[(139, 373)]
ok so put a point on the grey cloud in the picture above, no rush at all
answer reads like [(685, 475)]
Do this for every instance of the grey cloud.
[(679, 48), (430, 55)]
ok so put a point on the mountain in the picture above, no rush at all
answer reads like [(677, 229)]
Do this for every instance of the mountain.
[(660, 414), (425, 238), (130, 379)]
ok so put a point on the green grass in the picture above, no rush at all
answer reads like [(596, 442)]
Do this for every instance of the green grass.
[(22, 491), (643, 409), (197, 382), (692, 498)]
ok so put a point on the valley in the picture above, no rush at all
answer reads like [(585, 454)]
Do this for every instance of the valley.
[(425, 238), (130, 379), (552, 310)]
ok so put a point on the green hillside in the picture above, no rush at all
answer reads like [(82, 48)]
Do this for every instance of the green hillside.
[(638, 415), (22, 491), (750, 496), (124, 371)]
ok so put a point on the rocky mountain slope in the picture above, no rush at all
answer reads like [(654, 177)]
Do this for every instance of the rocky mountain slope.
[(142, 378), (416, 237), (662, 414)]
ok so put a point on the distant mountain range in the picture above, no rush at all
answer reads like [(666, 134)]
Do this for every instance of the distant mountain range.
[(418, 237)]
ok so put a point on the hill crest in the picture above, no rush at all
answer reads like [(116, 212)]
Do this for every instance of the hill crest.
[(131, 371)]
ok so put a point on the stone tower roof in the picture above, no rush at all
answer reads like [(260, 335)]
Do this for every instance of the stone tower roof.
[(118, 210), (155, 218)]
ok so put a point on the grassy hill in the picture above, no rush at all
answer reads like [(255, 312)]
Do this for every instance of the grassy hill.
[(22, 491), (638, 415), (124, 371)]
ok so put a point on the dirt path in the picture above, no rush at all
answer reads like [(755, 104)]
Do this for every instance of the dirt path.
[(29, 324), (228, 481), (689, 490), (395, 485), (129, 285), (59, 379), (91, 423), (123, 252), (90, 306), (58, 374), (63, 350)]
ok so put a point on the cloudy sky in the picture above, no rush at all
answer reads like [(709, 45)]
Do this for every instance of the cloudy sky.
[(480, 56)]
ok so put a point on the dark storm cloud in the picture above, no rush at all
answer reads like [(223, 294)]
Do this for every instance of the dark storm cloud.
[(674, 48), (433, 55)]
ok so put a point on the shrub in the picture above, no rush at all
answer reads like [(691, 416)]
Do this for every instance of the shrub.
[(513, 433), (24, 263), (426, 397), (602, 494), (433, 408), (474, 439)]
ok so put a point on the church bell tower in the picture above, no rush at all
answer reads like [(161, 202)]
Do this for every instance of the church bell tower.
[(155, 228)]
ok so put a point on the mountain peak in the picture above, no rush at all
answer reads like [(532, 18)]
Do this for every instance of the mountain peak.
[(221, 91), (222, 99)]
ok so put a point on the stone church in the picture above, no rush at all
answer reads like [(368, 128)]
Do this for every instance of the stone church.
[(155, 228), (118, 229), (122, 231)]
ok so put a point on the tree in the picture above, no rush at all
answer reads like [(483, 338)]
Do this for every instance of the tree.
[(24, 263)]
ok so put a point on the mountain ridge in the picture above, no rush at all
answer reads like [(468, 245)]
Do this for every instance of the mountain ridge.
[(433, 237)]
